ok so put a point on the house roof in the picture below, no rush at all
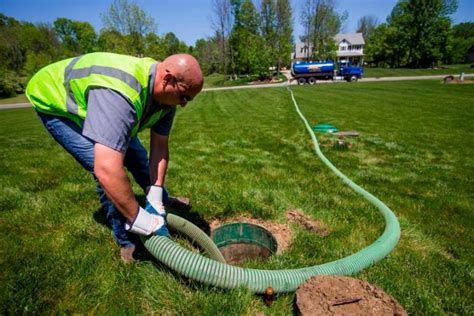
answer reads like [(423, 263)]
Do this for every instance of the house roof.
[(352, 38)]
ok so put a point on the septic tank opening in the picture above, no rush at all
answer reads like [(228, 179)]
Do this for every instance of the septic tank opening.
[(241, 241)]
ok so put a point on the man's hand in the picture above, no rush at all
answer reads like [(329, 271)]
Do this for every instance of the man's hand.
[(149, 221), (154, 197), (154, 205), (152, 219)]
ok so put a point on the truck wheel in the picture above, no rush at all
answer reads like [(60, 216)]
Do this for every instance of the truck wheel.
[(311, 80), (353, 79), (301, 81)]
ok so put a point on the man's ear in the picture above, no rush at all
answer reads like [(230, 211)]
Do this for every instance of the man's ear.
[(167, 79)]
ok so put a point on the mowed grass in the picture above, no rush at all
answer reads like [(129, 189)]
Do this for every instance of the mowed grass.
[(397, 72), (17, 99), (246, 152)]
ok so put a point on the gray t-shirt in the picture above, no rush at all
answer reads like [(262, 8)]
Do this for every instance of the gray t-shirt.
[(111, 117)]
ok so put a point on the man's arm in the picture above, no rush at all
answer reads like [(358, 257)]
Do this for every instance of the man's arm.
[(159, 156), (108, 168)]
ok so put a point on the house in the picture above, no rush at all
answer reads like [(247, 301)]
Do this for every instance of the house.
[(350, 47)]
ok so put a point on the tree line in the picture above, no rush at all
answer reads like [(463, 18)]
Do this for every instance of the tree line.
[(26, 47), (247, 40), (250, 38), (418, 34)]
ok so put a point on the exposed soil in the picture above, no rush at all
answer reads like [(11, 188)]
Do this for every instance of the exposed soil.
[(297, 217), (452, 80), (281, 232), (337, 295), (235, 254), (457, 81), (346, 134)]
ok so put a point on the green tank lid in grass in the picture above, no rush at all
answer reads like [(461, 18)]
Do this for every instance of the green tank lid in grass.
[(325, 128)]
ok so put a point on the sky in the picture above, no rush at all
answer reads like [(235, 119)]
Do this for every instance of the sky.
[(192, 19)]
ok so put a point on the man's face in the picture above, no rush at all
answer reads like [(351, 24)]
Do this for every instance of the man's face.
[(175, 93)]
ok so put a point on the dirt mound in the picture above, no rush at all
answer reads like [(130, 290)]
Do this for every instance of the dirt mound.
[(452, 80), (336, 295)]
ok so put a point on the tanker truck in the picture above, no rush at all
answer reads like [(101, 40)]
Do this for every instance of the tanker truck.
[(309, 72)]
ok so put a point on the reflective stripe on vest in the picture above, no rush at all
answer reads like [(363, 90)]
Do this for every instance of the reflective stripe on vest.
[(70, 74)]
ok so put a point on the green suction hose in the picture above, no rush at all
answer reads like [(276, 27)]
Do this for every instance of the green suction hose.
[(219, 274), (197, 235)]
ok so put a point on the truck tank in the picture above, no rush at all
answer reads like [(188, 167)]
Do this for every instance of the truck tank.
[(315, 68)]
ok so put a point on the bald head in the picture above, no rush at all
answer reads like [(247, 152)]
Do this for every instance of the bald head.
[(186, 69), (178, 80)]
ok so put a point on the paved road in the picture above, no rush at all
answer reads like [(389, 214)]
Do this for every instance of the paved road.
[(14, 106), (279, 85)]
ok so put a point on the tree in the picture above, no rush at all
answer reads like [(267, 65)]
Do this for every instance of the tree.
[(423, 28), (366, 25), (386, 47), (268, 29), (12, 49), (284, 30), (64, 28), (247, 44), (222, 26), (131, 21), (172, 45), (86, 36), (42, 46), (76, 37), (112, 41), (461, 42), (207, 53), (24, 49), (321, 23), (154, 47), (234, 37)]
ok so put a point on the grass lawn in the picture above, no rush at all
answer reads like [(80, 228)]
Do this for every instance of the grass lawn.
[(217, 80), (18, 99), (397, 72), (246, 152)]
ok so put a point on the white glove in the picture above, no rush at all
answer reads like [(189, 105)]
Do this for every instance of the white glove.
[(155, 198), (147, 223)]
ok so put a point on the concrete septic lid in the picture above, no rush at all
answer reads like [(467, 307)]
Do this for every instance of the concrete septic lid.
[(240, 241)]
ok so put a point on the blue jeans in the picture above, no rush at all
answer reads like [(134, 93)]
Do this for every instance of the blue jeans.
[(69, 136)]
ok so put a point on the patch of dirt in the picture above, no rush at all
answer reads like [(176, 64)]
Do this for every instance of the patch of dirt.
[(452, 80), (457, 81), (235, 254), (297, 216), (337, 295), (281, 232)]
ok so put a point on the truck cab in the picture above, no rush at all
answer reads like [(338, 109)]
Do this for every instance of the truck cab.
[(350, 72)]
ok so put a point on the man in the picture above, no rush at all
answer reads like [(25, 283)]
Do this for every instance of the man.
[(94, 105)]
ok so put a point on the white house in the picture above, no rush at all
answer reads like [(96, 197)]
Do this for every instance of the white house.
[(350, 47)]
